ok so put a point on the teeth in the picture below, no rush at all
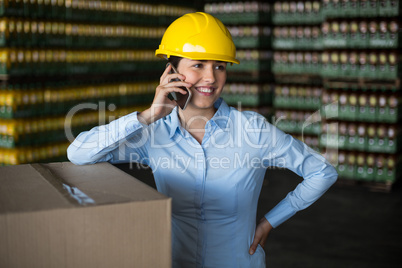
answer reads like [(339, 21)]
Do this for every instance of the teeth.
[(205, 90)]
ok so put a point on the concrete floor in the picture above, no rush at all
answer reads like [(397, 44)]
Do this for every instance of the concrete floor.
[(349, 226)]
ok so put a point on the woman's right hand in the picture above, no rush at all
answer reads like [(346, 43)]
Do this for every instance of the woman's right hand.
[(162, 105)]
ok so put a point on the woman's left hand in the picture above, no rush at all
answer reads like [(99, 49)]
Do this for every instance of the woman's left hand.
[(261, 234)]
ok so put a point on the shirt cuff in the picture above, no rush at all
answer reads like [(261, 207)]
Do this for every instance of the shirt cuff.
[(280, 213)]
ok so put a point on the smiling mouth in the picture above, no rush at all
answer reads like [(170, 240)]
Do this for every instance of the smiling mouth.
[(205, 89)]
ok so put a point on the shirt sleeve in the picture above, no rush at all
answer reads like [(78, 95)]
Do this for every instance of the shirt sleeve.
[(113, 142), (318, 175)]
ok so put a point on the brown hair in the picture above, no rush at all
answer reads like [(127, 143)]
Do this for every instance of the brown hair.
[(174, 60)]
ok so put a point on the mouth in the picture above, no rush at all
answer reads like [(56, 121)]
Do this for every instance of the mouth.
[(205, 90)]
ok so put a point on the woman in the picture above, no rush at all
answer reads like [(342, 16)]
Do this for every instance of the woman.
[(210, 158)]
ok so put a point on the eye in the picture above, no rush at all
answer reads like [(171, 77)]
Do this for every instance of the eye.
[(220, 67), (198, 65)]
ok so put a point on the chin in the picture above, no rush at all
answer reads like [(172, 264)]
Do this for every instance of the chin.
[(203, 102), (202, 105)]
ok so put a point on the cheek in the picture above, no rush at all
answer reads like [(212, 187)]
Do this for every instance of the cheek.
[(222, 77), (191, 78)]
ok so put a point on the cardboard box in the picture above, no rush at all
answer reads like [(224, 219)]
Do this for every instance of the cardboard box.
[(63, 215)]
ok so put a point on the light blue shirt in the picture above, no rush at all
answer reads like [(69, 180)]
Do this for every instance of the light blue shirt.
[(215, 185)]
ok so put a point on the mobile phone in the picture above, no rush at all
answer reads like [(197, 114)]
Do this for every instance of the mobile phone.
[(181, 99)]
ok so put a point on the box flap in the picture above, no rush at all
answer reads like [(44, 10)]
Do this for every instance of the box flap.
[(62, 185), (22, 188), (104, 183)]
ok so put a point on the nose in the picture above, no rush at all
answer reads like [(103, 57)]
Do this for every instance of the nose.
[(209, 74)]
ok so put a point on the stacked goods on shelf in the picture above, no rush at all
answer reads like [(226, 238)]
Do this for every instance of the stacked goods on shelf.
[(377, 170), (361, 72), (124, 12), (372, 64), (295, 107), (26, 115), (367, 125), (368, 33), (22, 103), (360, 8), (34, 62), (40, 33), (249, 83), (69, 65), (297, 45)]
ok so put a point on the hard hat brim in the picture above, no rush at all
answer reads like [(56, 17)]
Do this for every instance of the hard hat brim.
[(195, 56)]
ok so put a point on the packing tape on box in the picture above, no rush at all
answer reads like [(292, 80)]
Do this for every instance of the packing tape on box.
[(74, 195)]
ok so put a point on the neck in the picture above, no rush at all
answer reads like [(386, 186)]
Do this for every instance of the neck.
[(195, 119)]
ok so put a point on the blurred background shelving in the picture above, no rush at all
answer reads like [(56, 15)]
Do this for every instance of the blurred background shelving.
[(327, 72), (361, 72), (345, 56), (68, 65), (297, 45), (249, 84)]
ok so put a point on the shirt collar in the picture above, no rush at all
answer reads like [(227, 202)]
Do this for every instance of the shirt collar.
[(174, 122), (220, 118)]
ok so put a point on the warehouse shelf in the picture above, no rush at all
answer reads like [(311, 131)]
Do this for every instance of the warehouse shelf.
[(29, 132), (381, 169), (127, 12), (372, 64), (362, 137), (240, 12), (248, 84), (15, 62), (297, 38), (17, 32), (292, 12), (251, 36), (363, 84), (58, 56), (298, 122), (250, 95), (381, 33), (363, 105), (360, 8), (297, 62), (296, 65), (54, 101), (34, 154), (292, 96), (361, 99)]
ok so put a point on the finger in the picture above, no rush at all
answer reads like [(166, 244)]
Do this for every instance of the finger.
[(178, 90), (254, 246), (167, 76), (179, 84), (262, 242), (166, 72), (175, 78), (165, 90)]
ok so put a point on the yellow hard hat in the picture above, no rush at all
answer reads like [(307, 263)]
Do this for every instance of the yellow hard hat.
[(198, 36)]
